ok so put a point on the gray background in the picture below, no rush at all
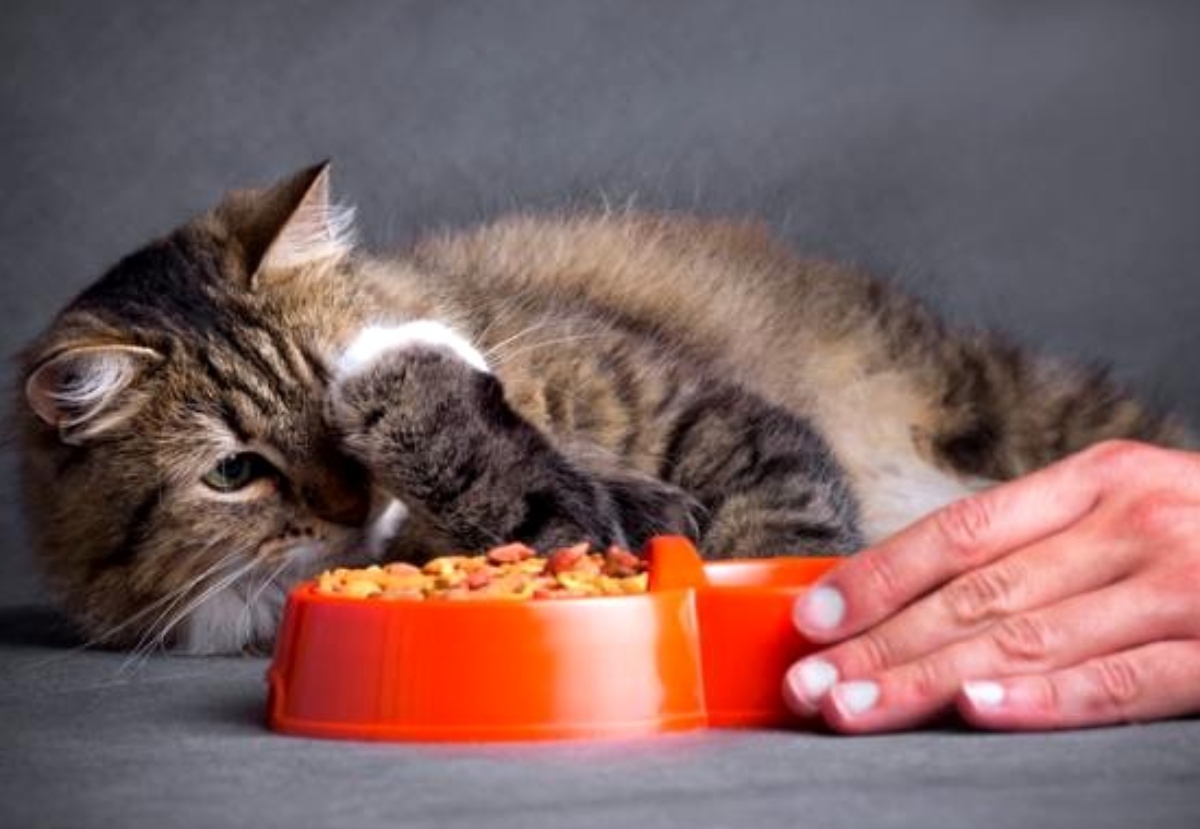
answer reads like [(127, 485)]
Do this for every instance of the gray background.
[(1030, 165)]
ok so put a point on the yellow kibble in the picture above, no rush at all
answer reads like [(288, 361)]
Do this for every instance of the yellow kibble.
[(360, 589)]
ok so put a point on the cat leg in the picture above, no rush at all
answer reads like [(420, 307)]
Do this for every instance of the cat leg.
[(768, 482), (436, 432)]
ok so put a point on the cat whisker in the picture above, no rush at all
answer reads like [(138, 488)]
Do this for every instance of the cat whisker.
[(214, 572), (153, 606), (544, 344), (248, 608), (153, 635), (172, 598), (175, 597), (496, 351), (150, 643)]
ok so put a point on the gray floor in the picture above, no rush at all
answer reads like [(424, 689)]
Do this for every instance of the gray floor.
[(96, 741), (1026, 165)]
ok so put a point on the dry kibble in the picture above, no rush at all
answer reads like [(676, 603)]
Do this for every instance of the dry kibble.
[(510, 572), (361, 588), (509, 553)]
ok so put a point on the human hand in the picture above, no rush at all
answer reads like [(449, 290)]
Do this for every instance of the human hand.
[(1065, 599)]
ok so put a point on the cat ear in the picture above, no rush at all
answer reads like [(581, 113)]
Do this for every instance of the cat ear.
[(290, 224), (83, 391)]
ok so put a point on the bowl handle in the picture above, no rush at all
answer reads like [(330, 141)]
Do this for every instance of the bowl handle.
[(674, 564)]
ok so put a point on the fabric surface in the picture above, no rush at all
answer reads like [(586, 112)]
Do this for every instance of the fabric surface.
[(93, 739), (1031, 166)]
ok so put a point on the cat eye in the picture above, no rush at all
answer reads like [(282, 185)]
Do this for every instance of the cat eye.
[(235, 472)]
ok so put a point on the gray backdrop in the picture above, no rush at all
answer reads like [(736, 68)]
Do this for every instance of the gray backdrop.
[(1031, 165), (1028, 165)]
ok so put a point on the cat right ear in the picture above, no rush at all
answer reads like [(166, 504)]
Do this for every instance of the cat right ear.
[(291, 224), (86, 390)]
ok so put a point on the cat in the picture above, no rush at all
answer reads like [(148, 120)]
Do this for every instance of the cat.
[(250, 400)]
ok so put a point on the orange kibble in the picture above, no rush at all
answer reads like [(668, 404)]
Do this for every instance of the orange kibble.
[(401, 568), (510, 554)]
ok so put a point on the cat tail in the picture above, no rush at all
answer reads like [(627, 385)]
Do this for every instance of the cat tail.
[(1011, 411)]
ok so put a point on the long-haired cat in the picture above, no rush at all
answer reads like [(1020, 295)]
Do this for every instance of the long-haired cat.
[(249, 399)]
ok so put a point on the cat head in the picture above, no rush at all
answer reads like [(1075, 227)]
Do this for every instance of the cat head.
[(178, 472)]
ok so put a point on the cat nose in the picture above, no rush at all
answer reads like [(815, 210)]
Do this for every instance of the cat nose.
[(336, 489), (338, 504)]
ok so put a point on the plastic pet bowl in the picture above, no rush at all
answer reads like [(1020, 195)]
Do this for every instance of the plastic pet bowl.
[(708, 644)]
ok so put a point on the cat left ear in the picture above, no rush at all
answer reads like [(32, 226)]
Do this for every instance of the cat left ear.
[(86, 390), (290, 224)]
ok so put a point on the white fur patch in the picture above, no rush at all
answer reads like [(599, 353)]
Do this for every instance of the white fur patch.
[(248, 610), (217, 625), (383, 528), (376, 340), (896, 493)]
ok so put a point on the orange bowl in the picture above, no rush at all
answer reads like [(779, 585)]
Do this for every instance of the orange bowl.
[(747, 638), (707, 645), (484, 670)]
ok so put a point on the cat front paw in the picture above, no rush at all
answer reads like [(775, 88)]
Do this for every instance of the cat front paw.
[(400, 394)]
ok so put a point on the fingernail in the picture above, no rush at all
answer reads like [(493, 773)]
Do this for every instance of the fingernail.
[(984, 693), (853, 698), (811, 679), (821, 608)]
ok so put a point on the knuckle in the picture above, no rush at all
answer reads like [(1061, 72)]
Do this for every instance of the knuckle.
[(927, 679), (1021, 639), (964, 525), (884, 584), (1118, 682), (979, 595), (1189, 581), (1045, 695), (1115, 455), (1159, 515), (875, 651)]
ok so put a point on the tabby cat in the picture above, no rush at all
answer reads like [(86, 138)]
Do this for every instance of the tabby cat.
[(249, 400)]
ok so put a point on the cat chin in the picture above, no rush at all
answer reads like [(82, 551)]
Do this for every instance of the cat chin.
[(376, 340), (226, 623), (242, 618)]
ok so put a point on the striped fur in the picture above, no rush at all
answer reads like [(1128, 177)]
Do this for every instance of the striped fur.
[(643, 374)]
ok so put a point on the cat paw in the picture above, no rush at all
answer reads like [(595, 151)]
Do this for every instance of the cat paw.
[(396, 388), (375, 341)]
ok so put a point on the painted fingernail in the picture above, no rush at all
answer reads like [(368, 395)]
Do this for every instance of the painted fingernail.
[(854, 698), (821, 608), (984, 693), (810, 680)]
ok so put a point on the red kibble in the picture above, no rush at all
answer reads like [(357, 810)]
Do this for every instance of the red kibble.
[(478, 579), (565, 559), (621, 563)]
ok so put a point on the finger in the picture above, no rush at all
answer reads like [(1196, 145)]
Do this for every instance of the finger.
[(1084, 627), (1037, 576), (962, 536), (1148, 683)]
